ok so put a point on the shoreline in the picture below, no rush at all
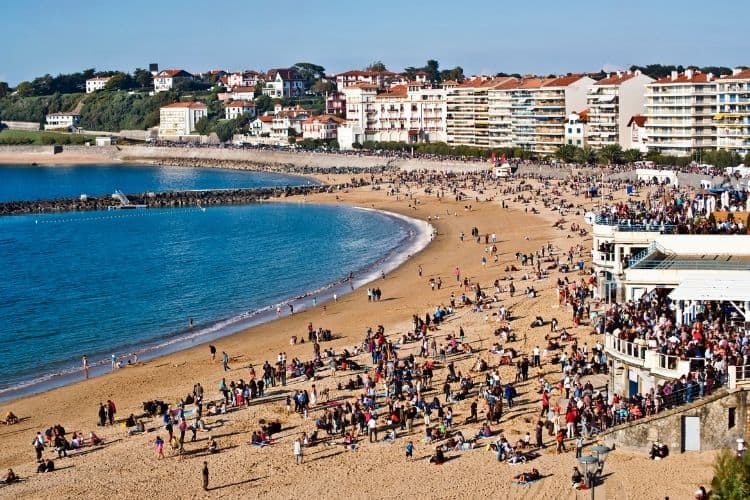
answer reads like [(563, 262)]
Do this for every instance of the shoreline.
[(418, 238)]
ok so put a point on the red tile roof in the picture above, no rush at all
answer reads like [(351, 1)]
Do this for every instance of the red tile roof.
[(265, 118), (395, 91), (742, 75), (195, 104), (562, 81), (325, 119), (286, 73), (639, 120), (240, 104), (243, 89), (172, 73), (615, 79), (697, 77)]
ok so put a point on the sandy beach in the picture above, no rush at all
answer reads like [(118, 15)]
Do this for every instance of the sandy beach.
[(126, 466)]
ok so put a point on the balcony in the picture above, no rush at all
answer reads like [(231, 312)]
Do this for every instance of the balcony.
[(661, 365)]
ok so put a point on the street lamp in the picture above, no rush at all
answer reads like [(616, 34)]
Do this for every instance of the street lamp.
[(593, 465)]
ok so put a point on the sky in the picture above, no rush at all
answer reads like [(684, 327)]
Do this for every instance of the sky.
[(481, 36)]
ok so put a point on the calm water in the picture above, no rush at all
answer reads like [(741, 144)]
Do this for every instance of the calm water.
[(34, 183), (109, 282)]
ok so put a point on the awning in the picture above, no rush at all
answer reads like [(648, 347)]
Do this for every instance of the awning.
[(736, 288), (607, 98)]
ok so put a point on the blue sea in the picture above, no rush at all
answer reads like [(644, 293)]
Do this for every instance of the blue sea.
[(50, 182), (102, 283)]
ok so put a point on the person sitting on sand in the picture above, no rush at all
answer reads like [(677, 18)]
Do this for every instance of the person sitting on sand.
[(11, 477), (212, 446), (11, 418), (94, 439), (527, 477), (438, 458)]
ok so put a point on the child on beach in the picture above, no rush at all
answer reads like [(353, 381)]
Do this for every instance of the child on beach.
[(409, 449), (159, 447)]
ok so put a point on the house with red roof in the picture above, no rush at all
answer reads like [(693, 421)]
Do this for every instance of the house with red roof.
[(167, 78), (283, 82)]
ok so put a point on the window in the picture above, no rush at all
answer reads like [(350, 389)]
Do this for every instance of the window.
[(578, 142), (578, 130), (732, 418), (570, 130), (570, 141)]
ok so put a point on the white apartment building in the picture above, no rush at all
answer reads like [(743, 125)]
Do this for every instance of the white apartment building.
[(523, 112), (356, 76), (554, 101), (96, 83), (412, 113), (500, 114), (59, 121), (467, 117), (166, 79), (287, 120), (235, 109), (732, 118), (178, 119), (612, 102), (679, 112)]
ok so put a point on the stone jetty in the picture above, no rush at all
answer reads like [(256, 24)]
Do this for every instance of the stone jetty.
[(169, 199)]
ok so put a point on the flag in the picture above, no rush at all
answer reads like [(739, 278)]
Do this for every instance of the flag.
[(502, 159)]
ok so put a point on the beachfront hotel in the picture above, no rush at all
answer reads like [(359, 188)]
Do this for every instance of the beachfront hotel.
[(467, 119), (403, 113), (178, 119), (679, 113), (612, 102), (732, 118)]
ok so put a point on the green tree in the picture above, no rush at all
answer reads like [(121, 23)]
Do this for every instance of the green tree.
[(4, 89), (456, 74), (377, 66), (631, 156), (432, 68), (322, 87), (731, 477), (310, 72), (120, 81), (611, 153), (143, 78), (567, 153), (223, 129), (24, 89), (203, 126), (263, 104), (586, 155)]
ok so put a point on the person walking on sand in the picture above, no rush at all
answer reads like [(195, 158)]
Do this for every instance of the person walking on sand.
[(114, 362), (212, 350), (204, 473), (297, 451), (85, 364), (225, 360)]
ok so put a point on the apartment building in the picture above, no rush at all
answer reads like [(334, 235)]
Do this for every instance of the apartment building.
[(62, 121), (178, 119), (679, 112), (575, 129), (467, 117), (404, 113), (732, 118), (554, 101), (612, 102), (500, 114)]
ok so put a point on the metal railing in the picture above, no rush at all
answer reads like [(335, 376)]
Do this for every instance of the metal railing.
[(692, 264)]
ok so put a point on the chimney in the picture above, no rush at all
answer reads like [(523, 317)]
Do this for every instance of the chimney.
[(736, 71), (637, 72), (709, 77), (689, 74), (673, 76), (619, 74)]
